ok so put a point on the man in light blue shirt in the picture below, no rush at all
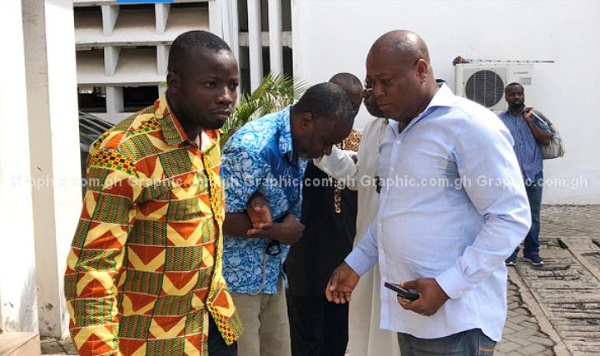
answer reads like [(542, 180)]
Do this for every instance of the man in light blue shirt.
[(452, 208), (528, 133), (267, 157)]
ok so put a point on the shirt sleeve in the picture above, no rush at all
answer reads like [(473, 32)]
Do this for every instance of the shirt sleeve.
[(243, 172), (339, 164), (484, 156), (365, 255), (96, 255), (541, 123)]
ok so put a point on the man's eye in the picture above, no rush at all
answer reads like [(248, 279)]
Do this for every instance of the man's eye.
[(210, 84), (234, 86)]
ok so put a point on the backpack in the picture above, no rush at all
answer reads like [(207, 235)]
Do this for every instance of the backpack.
[(556, 147)]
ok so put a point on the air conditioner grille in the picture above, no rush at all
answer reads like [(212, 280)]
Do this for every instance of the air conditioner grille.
[(485, 87)]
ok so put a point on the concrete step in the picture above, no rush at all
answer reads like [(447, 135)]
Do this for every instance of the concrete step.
[(19, 344)]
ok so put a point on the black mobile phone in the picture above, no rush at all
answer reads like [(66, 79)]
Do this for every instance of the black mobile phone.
[(402, 292)]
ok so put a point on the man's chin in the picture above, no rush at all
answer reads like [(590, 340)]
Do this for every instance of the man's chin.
[(215, 125), (517, 107)]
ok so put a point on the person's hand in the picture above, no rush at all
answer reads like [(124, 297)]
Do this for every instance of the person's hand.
[(528, 114), (341, 284), (289, 230), (431, 296), (259, 213)]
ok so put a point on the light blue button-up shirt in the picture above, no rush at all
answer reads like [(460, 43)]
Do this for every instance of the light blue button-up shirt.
[(259, 158), (453, 207), (528, 151)]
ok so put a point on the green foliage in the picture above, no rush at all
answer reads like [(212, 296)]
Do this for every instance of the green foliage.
[(274, 93)]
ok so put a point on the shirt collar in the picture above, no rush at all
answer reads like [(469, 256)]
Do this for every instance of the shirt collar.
[(442, 98), (285, 143), (508, 112), (173, 132)]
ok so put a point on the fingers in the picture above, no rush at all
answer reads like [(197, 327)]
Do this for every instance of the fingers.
[(333, 294), (414, 306), (410, 285), (258, 230), (337, 297)]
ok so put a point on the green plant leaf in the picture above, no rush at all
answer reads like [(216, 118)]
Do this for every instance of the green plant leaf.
[(274, 93)]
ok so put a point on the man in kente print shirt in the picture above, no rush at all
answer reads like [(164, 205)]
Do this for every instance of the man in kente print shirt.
[(144, 274)]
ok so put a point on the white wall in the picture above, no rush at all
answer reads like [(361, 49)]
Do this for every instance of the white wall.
[(335, 35), (54, 143), (17, 256)]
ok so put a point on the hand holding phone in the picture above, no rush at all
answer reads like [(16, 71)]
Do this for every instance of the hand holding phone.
[(402, 292)]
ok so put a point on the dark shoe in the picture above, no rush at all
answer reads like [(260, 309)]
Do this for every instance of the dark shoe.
[(535, 260), (511, 261)]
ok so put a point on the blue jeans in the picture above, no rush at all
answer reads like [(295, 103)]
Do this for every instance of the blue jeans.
[(534, 195), (467, 343)]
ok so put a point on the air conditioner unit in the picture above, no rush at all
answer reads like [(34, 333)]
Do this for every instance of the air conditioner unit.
[(484, 83)]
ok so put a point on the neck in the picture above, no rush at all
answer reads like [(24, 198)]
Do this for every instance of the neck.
[(515, 110), (433, 88), (191, 130)]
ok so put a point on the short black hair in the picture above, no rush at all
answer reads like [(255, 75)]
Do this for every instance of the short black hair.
[(513, 84), (185, 44), (327, 102)]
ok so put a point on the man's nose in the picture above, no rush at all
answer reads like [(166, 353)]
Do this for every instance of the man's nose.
[(227, 96)]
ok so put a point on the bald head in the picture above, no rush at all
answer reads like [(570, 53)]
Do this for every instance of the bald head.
[(405, 44), (351, 85), (402, 78)]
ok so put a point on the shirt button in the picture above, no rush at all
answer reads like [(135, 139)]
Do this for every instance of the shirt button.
[(398, 142), (391, 169)]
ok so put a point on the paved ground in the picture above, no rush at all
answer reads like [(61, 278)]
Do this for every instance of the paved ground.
[(554, 309)]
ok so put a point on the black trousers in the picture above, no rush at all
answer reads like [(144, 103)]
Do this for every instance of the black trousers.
[(216, 344), (317, 327)]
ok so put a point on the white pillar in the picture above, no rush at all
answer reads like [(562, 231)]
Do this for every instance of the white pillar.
[(162, 59), (234, 28), (161, 17), (255, 43), (114, 101), (54, 143), (110, 13), (275, 47), (111, 60), (215, 17), (18, 305)]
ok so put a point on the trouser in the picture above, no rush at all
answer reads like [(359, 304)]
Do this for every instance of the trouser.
[(216, 344), (318, 327), (265, 321), (531, 245), (467, 343)]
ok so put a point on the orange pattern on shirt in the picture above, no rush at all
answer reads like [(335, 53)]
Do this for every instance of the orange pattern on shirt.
[(144, 270)]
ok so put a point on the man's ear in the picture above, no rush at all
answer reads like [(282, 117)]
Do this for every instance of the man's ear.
[(172, 81), (422, 69), (308, 121)]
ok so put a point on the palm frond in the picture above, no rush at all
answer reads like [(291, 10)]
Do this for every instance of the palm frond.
[(274, 93)]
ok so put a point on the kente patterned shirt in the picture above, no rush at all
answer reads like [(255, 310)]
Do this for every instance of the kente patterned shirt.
[(145, 270), (259, 158)]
